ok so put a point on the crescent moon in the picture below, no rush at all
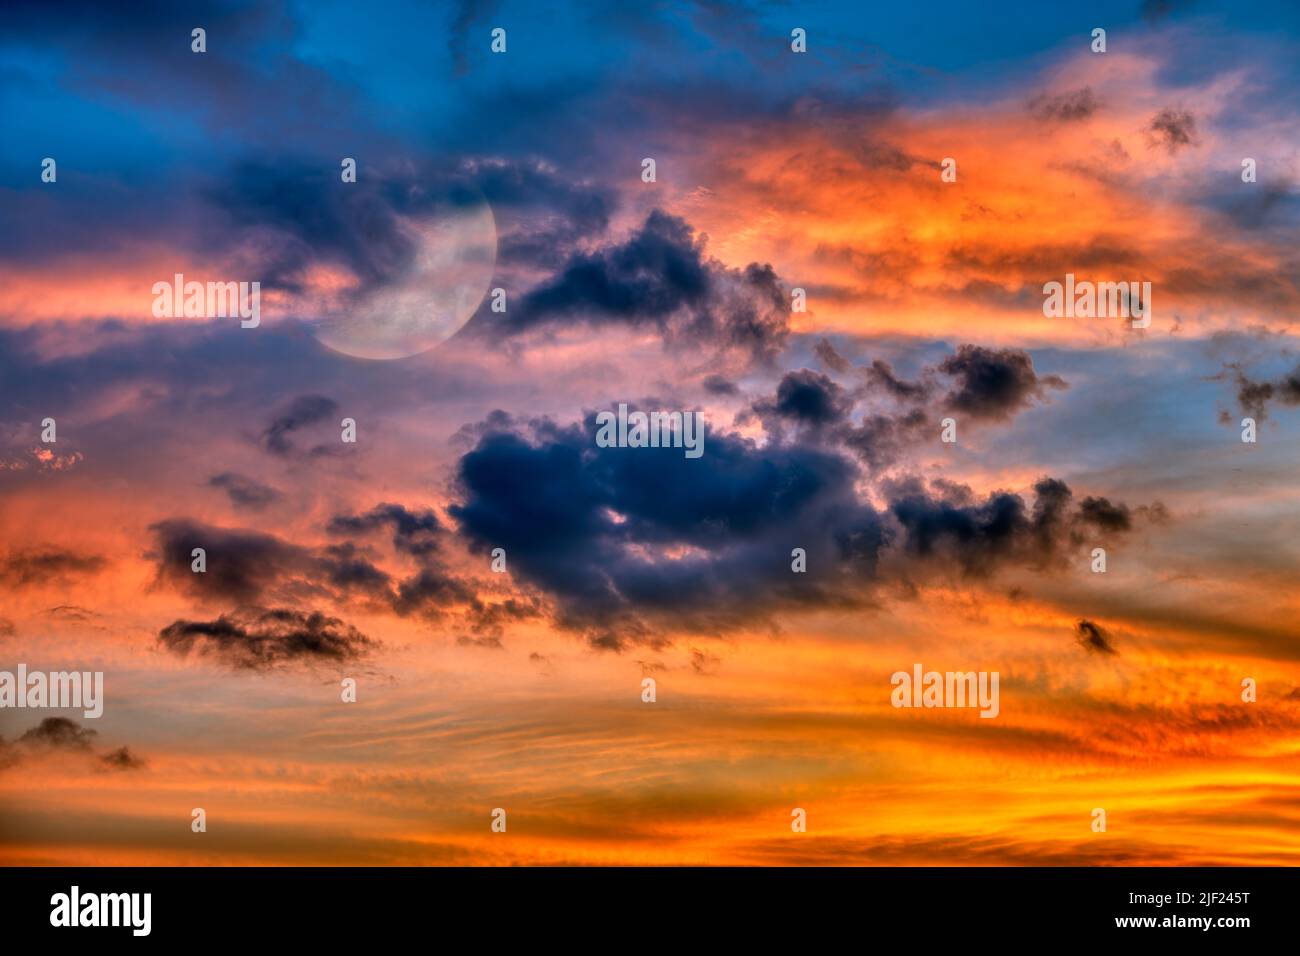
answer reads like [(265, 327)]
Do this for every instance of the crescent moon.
[(455, 258)]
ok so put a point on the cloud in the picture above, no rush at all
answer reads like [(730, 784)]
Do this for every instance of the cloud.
[(994, 384), (1173, 129), (123, 758), (430, 590), (631, 546), (1272, 204), (368, 236), (547, 213), (42, 459), (989, 385), (719, 385), (38, 566), (703, 662), (880, 441), (489, 620), (1105, 516), (942, 522), (829, 357), (660, 279), (245, 566), (623, 542), (259, 639), (413, 533), (244, 492), (303, 411), (59, 733), (81, 616), (491, 642), (241, 565), (1066, 107), (888, 157), (1093, 639), (880, 375), (1254, 395), (806, 398)]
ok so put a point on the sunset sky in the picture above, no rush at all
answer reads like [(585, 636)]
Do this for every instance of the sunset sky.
[(522, 690)]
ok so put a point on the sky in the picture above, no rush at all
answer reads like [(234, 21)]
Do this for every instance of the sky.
[(841, 256)]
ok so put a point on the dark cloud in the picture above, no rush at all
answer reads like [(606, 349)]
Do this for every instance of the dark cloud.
[(625, 542), (540, 215), (6, 627), (1050, 518), (302, 217), (418, 534), (1065, 107), (258, 638), (1274, 203), (880, 375), (489, 620), (660, 279), (349, 570), (1092, 638), (1106, 252), (429, 590), (1104, 515), (654, 274), (1254, 395), (59, 733), (38, 566), (123, 758), (806, 398), (718, 385), (241, 564), (244, 492), (1173, 129), (828, 356), (633, 545), (303, 411), (246, 567), (994, 384), (989, 385), (414, 533), (880, 441), (944, 522)]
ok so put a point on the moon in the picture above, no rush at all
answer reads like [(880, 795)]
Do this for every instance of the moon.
[(442, 287)]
